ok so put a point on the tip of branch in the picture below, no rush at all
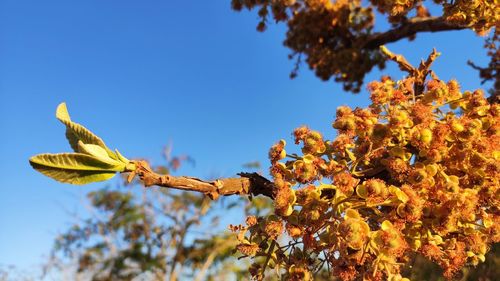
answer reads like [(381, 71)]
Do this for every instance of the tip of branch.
[(385, 51), (403, 64), (425, 65)]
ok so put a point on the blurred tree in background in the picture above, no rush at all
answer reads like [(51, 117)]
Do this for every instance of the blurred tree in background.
[(157, 234)]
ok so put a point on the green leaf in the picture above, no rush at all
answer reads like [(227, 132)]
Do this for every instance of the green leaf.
[(75, 177), (75, 161), (93, 162), (98, 152), (121, 157), (75, 168), (76, 132)]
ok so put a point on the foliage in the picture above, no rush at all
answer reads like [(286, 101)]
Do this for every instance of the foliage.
[(92, 162), (338, 38), (415, 172)]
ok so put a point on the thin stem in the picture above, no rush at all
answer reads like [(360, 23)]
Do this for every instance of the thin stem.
[(269, 253)]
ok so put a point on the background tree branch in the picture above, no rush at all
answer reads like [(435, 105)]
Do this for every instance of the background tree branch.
[(409, 29)]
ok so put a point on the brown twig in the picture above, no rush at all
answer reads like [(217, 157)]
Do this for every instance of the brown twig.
[(423, 71), (406, 30), (248, 183), (419, 73), (403, 64)]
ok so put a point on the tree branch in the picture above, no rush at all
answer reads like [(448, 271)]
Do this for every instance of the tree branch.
[(408, 29), (247, 184)]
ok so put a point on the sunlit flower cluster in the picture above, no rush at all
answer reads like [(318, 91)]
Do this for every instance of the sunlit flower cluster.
[(415, 172), (481, 15)]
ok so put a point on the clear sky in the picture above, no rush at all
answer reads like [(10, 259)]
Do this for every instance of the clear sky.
[(141, 73)]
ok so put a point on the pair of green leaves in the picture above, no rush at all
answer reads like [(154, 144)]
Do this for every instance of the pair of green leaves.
[(92, 161)]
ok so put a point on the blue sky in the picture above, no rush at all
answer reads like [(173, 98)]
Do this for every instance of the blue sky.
[(141, 73)]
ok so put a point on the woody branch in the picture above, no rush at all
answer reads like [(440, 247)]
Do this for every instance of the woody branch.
[(247, 184), (410, 28)]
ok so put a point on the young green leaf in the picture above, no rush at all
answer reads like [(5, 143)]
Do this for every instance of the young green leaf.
[(78, 177), (98, 152), (75, 168), (76, 132), (94, 161), (121, 157)]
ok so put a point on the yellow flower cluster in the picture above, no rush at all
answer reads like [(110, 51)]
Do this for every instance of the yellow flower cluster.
[(415, 172)]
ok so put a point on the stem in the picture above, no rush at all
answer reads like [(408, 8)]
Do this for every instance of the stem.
[(247, 184), (269, 253)]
